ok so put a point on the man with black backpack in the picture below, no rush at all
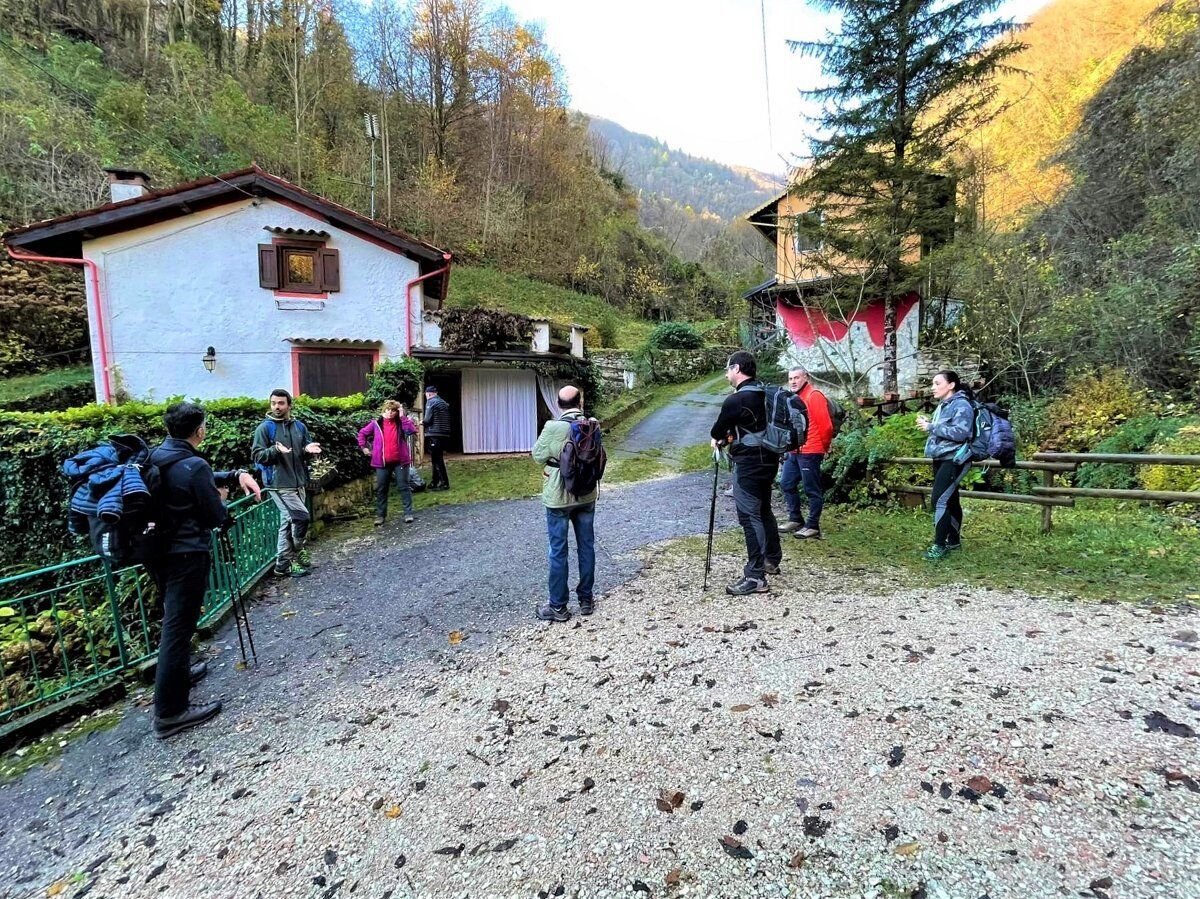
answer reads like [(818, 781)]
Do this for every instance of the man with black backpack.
[(571, 451), (755, 430), (192, 507), (281, 447)]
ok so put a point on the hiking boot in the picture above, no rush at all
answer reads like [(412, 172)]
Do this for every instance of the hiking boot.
[(197, 672), (790, 526), (547, 612), (294, 569), (379, 520), (935, 553), (771, 568), (304, 558), (808, 534), (189, 717), (408, 519), (586, 605), (748, 585)]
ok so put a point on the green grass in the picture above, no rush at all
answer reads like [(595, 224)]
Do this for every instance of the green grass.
[(12, 389), (479, 480), (1095, 551), (697, 458), (16, 762), (480, 286)]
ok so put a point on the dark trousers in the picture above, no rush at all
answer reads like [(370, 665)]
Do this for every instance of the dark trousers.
[(803, 470), (437, 455), (752, 498), (947, 510), (181, 580), (383, 479)]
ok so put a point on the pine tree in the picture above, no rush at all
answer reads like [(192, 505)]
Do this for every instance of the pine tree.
[(908, 79)]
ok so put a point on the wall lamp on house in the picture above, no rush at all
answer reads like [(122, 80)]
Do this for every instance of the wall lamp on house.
[(210, 358)]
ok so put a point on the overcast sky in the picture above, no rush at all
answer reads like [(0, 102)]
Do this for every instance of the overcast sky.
[(690, 72)]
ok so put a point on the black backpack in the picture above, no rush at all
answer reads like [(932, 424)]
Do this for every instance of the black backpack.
[(779, 436), (837, 414), (583, 459)]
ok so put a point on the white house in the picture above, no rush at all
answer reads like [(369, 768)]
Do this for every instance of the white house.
[(235, 284), (286, 288)]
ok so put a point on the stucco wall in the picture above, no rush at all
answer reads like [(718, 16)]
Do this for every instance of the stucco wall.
[(173, 289), (856, 354)]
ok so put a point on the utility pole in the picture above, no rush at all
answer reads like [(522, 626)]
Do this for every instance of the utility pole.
[(371, 122)]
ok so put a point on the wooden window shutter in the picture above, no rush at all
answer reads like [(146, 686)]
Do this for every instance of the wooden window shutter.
[(268, 266), (331, 270)]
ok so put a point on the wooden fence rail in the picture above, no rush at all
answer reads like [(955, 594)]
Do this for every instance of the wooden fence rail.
[(1048, 496)]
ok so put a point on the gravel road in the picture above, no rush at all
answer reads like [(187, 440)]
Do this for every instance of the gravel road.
[(848, 735), (375, 604)]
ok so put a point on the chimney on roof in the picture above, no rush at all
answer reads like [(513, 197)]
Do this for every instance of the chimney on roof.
[(126, 184)]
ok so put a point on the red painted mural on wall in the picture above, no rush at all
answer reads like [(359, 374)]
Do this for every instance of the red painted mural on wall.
[(805, 325)]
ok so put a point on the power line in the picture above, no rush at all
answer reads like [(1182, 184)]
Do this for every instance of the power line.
[(95, 110), (762, 6)]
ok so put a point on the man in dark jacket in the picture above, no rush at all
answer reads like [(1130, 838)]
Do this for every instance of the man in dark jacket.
[(437, 433), (754, 468), (194, 508)]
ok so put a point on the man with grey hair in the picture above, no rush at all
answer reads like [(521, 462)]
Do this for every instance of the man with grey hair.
[(802, 466), (566, 510)]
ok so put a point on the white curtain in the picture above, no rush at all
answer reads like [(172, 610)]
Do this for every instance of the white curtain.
[(499, 410), (549, 395)]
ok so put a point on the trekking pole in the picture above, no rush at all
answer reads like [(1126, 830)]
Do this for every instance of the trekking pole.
[(241, 616), (712, 517)]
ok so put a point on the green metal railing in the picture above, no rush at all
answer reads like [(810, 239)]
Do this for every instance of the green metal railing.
[(73, 627)]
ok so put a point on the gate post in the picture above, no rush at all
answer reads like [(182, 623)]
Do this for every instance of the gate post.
[(1047, 510), (110, 587)]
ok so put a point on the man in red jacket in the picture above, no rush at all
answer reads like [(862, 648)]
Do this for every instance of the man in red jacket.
[(802, 467)]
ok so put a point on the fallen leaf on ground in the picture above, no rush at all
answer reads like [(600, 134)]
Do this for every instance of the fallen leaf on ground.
[(673, 877), (456, 637), (979, 784), (770, 700), (796, 861), (734, 848), (393, 812), (1159, 721), (741, 707), (907, 849)]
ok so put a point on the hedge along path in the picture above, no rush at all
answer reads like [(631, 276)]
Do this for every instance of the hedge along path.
[(33, 446)]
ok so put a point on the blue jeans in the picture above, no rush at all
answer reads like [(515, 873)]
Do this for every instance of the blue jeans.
[(558, 522), (803, 469)]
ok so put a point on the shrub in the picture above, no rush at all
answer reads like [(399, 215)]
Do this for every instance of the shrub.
[(674, 336), (607, 331), (857, 460), (397, 379), (480, 330), (1091, 409), (33, 445), (1134, 436), (1186, 442)]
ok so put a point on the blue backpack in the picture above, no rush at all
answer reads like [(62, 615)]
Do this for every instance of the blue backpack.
[(1003, 444), (268, 471)]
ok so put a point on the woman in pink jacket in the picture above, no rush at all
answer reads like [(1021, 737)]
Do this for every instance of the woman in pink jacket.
[(385, 440)]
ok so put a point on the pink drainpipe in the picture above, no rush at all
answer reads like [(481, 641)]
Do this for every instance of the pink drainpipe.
[(408, 322), (94, 275)]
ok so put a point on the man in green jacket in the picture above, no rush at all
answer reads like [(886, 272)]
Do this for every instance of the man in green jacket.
[(280, 448), (564, 510)]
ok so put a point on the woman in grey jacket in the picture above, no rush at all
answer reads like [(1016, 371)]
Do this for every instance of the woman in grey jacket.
[(948, 445)]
